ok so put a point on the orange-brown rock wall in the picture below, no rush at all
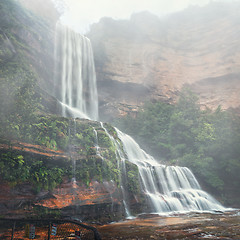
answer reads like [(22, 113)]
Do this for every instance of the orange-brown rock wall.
[(198, 47)]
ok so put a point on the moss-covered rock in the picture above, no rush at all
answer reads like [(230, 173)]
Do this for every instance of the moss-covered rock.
[(58, 150)]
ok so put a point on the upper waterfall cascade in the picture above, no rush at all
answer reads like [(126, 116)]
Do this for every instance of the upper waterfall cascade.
[(167, 188), (75, 77)]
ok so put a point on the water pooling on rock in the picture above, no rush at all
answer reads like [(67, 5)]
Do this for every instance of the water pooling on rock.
[(167, 188)]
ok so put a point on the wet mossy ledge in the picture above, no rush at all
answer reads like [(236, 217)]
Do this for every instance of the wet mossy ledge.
[(69, 164), (74, 138)]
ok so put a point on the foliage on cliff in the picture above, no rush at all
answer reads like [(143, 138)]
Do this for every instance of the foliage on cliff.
[(207, 142), (16, 169)]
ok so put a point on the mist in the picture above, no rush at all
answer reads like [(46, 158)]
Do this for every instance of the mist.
[(80, 14)]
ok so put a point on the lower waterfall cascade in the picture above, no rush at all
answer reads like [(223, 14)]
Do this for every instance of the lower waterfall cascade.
[(167, 188)]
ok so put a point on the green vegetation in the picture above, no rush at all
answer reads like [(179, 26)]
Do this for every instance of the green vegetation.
[(21, 54), (76, 138), (17, 169), (19, 97), (205, 141), (133, 183)]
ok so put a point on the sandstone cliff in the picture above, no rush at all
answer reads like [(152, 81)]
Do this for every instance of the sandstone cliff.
[(147, 58)]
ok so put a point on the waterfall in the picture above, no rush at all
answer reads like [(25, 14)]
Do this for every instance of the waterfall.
[(75, 77), (168, 188), (122, 167), (96, 144)]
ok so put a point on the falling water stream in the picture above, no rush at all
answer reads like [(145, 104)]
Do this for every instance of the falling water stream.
[(96, 144), (71, 134), (167, 188), (75, 77), (120, 156)]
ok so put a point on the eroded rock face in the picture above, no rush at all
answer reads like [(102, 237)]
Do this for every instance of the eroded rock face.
[(154, 58), (70, 200), (96, 202)]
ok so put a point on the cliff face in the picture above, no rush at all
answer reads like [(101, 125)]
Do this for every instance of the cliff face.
[(151, 58), (37, 29), (46, 10), (26, 45)]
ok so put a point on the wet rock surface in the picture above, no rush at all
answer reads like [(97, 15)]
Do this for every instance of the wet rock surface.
[(190, 226)]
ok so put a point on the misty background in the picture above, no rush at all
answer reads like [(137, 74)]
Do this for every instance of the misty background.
[(80, 14)]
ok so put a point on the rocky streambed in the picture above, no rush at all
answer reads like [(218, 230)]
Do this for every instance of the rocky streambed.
[(189, 226)]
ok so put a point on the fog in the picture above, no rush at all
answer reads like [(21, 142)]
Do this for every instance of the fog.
[(79, 14)]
